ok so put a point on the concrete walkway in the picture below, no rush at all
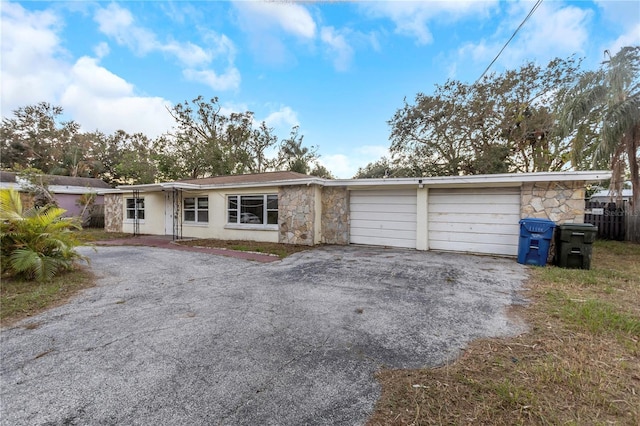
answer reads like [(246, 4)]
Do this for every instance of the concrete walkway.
[(162, 241)]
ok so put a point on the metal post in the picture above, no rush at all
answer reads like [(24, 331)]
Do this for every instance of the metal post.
[(136, 219)]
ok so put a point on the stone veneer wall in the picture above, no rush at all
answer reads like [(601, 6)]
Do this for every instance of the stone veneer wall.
[(296, 214), (561, 202), (113, 213), (335, 215)]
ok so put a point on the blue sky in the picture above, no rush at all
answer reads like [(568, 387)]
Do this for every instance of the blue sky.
[(339, 70)]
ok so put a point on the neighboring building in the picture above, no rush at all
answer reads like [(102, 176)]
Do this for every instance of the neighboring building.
[(65, 189), (477, 214), (605, 196)]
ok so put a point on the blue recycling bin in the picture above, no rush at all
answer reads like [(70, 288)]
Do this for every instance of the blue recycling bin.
[(535, 239)]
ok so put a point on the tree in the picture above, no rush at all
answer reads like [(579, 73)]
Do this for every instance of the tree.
[(295, 157), (36, 184), (321, 171), (383, 168), (205, 143), (503, 123), (606, 104), (35, 137), (37, 243), (260, 141)]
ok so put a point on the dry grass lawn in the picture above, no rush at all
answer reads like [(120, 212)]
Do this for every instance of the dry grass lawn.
[(21, 299), (579, 364)]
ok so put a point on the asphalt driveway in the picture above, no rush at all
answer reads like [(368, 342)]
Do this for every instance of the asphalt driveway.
[(170, 337)]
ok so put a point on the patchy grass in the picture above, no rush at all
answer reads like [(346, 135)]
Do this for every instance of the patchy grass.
[(578, 364), (89, 235), (21, 299), (280, 250)]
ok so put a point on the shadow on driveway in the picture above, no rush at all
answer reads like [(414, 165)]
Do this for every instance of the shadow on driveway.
[(180, 337)]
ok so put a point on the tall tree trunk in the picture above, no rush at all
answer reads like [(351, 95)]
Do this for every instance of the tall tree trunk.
[(633, 221), (633, 144)]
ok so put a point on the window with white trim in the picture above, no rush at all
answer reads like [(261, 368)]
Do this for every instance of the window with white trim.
[(135, 208), (259, 209), (196, 209)]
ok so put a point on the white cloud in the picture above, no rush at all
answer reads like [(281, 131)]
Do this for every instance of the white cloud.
[(554, 30), (412, 18), (118, 23), (624, 13), (371, 153), (630, 38), (36, 68), (339, 165), (284, 117), (338, 47), (346, 166), (292, 18), (101, 50), (33, 63), (99, 99), (229, 80), (267, 25)]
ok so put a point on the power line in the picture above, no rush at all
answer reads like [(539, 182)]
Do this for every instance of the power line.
[(526, 18)]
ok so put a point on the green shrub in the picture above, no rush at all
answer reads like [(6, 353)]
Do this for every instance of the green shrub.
[(36, 243)]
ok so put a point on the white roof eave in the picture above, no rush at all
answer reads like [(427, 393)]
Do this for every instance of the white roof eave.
[(506, 178)]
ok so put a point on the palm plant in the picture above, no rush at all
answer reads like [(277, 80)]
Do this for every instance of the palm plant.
[(606, 103), (36, 243)]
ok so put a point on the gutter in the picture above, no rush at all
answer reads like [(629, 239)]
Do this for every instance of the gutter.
[(509, 179)]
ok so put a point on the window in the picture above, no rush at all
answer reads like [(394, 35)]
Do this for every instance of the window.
[(196, 209), (135, 208), (252, 209)]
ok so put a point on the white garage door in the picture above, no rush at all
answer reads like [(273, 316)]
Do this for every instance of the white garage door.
[(383, 218), (483, 220)]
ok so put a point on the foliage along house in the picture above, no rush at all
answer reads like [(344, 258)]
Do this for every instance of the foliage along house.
[(477, 214), (66, 190)]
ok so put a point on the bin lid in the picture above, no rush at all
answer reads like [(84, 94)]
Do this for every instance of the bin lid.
[(577, 227), (536, 225)]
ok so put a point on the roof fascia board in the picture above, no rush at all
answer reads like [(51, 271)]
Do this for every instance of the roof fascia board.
[(153, 187), (288, 182), (507, 178)]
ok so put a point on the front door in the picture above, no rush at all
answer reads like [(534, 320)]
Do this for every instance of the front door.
[(169, 212)]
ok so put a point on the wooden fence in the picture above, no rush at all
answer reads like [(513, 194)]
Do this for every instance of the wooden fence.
[(610, 219)]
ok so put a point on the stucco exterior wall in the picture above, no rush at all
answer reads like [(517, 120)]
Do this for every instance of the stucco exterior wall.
[(297, 214), (218, 228), (561, 202), (335, 215), (113, 213)]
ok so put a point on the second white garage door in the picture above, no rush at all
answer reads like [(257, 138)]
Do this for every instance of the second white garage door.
[(383, 218), (483, 220)]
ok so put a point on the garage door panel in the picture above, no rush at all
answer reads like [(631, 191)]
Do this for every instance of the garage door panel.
[(483, 220), (484, 248), (390, 209), (464, 208), (389, 199), (471, 237), (380, 241), (380, 216), (377, 225), (406, 234), (383, 218), (499, 190), (468, 218), (474, 227)]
